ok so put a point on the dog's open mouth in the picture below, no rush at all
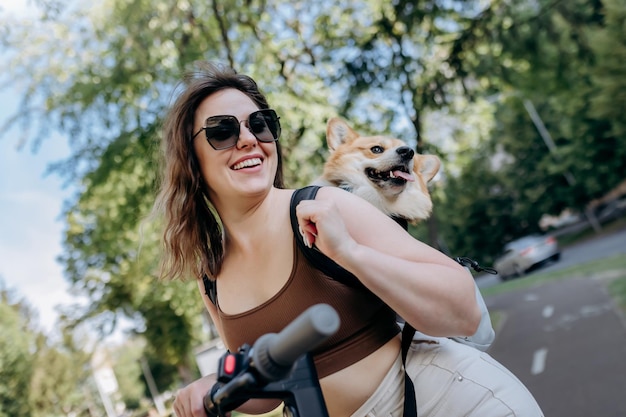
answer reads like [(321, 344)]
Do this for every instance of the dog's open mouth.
[(398, 175)]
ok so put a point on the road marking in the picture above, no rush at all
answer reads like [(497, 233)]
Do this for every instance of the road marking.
[(539, 361), (567, 321), (547, 311), (531, 297)]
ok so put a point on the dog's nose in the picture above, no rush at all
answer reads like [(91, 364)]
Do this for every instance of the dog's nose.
[(405, 152)]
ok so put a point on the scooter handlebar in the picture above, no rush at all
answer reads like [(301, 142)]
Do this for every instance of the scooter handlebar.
[(274, 354)]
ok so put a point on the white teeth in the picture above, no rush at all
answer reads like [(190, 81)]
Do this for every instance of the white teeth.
[(391, 174), (247, 163)]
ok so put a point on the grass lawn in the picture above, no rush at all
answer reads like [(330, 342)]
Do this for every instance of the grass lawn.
[(617, 288), (602, 267)]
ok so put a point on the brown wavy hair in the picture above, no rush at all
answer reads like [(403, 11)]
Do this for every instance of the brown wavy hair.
[(192, 236)]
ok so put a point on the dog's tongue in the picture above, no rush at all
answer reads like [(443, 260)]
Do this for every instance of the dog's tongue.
[(404, 175)]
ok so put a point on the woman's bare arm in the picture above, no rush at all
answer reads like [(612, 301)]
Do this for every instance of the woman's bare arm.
[(427, 288)]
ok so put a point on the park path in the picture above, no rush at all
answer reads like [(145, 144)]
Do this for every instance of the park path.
[(566, 340)]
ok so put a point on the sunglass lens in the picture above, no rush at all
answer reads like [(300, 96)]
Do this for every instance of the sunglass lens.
[(258, 126), (222, 131), (264, 125)]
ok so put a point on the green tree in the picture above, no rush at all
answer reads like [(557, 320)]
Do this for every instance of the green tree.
[(608, 77), (16, 362), (40, 376), (542, 53), (60, 374)]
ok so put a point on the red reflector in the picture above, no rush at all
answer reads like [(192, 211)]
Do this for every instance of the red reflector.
[(229, 364), (550, 239)]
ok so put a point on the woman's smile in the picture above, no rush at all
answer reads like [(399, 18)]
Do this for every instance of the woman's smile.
[(247, 163)]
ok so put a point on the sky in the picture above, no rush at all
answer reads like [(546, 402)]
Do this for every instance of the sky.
[(31, 227)]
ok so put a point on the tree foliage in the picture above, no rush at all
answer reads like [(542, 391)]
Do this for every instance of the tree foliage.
[(544, 54), (59, 380), (39, 376), (16, 363), (450, 77)]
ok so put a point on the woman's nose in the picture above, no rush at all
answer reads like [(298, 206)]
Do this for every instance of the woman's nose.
[(246, 138)]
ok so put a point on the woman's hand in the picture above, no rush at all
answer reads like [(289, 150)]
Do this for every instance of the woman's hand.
[(321, 225), (189, 400)]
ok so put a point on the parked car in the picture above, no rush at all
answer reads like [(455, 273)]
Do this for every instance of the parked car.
[(525, 254)]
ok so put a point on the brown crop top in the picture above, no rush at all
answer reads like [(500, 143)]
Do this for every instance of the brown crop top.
[(366, 322)]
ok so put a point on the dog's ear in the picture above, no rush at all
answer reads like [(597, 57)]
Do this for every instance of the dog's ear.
[(427, 166), (338, 132)]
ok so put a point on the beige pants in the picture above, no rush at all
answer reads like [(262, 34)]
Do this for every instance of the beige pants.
[(451, 380)]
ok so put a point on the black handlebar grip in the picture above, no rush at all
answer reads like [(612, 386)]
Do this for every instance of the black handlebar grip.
[(209, 406), (274, 354)]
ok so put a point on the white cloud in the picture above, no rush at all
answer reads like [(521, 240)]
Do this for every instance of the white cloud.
[(30, 224)]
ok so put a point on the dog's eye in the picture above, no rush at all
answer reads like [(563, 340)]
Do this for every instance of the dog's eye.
[(377, 149)]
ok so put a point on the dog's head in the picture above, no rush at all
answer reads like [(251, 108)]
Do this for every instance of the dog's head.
[(380, 169)]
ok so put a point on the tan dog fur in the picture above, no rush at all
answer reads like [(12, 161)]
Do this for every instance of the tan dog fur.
[(382, 170)]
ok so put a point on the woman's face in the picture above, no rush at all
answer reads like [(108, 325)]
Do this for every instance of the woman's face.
[(249, 167)]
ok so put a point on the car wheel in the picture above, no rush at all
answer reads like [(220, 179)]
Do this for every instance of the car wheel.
[(518, 270)]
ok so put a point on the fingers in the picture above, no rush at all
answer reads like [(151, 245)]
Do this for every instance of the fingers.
[(177, 405), (310, 213), (189, 400), (321, 224), (182, 403), (305, 237)]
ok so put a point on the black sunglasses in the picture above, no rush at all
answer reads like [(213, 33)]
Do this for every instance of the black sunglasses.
[(222, 132)]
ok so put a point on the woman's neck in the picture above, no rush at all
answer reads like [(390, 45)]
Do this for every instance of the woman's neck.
[(254, 221)]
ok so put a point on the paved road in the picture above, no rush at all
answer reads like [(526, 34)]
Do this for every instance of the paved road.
[(566, 340)]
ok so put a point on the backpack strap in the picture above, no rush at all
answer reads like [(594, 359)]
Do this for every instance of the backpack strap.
[(210, 289), (410, 399), (333, 270), (313, 255)]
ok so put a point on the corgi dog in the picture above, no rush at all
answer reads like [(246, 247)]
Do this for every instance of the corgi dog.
[(380, 169), (391, 176)]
